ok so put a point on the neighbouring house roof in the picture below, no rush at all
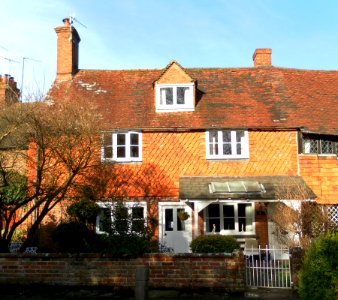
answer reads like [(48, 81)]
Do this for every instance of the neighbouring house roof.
[(251, 98), (244, 188)]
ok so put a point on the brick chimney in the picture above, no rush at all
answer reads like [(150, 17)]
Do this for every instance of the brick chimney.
[(9, 93), (262, 57), (67, 50)]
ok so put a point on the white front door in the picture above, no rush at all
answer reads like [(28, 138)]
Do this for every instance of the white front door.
[(174, 234)]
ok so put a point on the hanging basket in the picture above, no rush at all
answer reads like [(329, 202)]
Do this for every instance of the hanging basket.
[(183, 215)]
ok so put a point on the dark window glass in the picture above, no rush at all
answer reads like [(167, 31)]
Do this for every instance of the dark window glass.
[(105, 222), (180, 223), (134, 151), (213, 219), (134, 139), (169, 219), (121, 139), (229, 217), (121, 152), (213, 211), (181, 94), (137, 219)]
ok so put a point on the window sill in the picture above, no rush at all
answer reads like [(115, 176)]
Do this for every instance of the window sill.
[(227, 158), (111, 161), (168, 110)]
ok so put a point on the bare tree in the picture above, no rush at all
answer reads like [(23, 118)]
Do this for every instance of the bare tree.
[(50, 149), (297, 220)]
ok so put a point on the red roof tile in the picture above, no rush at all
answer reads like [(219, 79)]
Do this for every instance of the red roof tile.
[(266, 97)]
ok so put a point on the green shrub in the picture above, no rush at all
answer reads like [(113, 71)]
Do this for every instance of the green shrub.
[(75, 237), (318, 278), (84, 210), (125, 245), (214, 243)]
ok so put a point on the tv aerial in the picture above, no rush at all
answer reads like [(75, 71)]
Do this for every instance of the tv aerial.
[(23, 72), (72, 19)]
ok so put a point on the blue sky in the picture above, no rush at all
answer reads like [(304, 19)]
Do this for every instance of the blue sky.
[(145, 34)]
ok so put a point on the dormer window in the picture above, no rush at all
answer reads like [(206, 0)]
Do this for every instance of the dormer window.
[(175, 97)]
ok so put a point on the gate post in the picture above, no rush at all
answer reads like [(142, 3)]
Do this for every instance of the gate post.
[(141, 286)]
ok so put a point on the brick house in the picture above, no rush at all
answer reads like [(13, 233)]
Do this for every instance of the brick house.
[(222, 144)]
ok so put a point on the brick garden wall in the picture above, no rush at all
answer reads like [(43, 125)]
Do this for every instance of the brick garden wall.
[(175, 271)]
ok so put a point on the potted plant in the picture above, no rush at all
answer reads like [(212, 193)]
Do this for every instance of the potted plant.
[(183, 215)]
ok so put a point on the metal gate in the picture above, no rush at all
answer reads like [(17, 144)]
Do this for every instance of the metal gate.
[(268, 267)]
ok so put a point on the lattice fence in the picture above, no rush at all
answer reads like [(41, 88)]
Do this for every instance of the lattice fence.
[(332, 212)]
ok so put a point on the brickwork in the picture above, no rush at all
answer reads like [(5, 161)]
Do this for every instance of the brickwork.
[(262, 57), (262, 229), (188, 271), (9, 93), (67, 51), (320, 172)]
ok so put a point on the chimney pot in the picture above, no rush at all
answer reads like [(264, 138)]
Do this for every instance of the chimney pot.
[(66, 22), (262, 57)]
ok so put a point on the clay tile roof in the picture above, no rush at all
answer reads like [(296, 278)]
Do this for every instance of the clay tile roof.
[(250, 98)]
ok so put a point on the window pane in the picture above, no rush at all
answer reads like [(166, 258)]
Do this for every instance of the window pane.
[(213, 218), (138, 224), (213, 142), (227, 149), (327, 147), (213, 225), (226, 142), (229, 211), (134, 151), (121, 152), (181, 91), (245, 218), (239, 135), (213, 211), (236, 186), (229, 217), (137, 212), (180, 223), (169, 219), (166, 96), (120, 216), (239, 149), (121, 139), (134, 139), (226, 136), (105, 222)]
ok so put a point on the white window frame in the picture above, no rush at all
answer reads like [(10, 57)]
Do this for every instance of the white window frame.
[(235, 231), (219, 145), (189, 104), (128, 145), (128, 205)]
